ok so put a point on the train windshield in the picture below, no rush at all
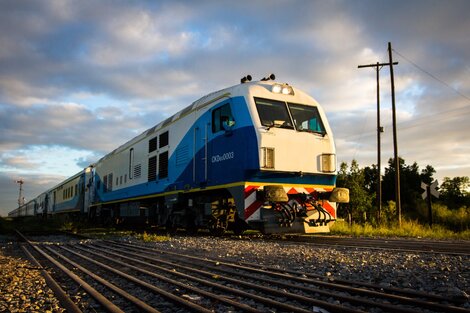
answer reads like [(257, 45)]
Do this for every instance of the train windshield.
[(306, 118), (273, 113)]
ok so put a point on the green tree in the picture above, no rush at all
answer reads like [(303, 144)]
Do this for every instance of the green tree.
[(360, 201), (370, 179), (410, 184), (454, 192)]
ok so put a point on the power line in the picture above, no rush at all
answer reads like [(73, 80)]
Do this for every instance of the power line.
[(432, 76), (418, 121)]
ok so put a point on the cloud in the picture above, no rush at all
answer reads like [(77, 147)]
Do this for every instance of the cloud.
[(33, 185), (81, 78)]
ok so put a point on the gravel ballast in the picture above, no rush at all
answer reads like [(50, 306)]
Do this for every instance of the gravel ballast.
[(428, 272), (23, 289)]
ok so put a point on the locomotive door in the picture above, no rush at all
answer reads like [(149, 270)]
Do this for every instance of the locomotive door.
[(212, 124), (201, 153), (89, 188)]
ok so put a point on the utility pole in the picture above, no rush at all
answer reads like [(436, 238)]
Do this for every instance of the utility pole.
[(378, 66), (395, 141), (20, 196)]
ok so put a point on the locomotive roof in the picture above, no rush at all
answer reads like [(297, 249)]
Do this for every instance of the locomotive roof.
[(201, 102), (198, 104)]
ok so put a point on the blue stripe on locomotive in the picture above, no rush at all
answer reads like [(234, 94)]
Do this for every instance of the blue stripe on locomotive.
[(236, 150), (232, 157)]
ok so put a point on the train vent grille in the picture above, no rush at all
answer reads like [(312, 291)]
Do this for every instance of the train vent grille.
[(137, 170)]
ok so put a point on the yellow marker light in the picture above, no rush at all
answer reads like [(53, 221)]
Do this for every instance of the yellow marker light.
[(328, 163)]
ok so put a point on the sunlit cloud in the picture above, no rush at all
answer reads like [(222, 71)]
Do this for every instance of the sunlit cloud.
[(78, 79)]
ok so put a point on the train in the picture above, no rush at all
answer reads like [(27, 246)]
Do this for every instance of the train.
[(257, 155)]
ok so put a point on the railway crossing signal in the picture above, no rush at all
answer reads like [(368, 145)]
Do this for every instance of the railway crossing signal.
[(429, 190)]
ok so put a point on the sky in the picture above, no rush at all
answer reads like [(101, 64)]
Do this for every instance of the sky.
[(79, 78)]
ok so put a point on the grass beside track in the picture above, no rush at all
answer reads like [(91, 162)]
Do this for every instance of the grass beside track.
[(410, 229)]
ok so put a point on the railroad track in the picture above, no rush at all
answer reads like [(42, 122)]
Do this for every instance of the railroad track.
[(401, 245), (123, 277)]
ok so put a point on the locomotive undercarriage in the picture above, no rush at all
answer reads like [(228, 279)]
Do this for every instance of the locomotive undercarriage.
[(296, 213), (217, 211), (295, 216), (212, 210)]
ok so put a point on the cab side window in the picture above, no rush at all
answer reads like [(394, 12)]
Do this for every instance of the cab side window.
[(222, 118)]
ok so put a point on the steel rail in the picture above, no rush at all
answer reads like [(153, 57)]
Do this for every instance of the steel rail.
[(369, 293), (271, 291), (266, 301), (61, 295), (342, 281), (345, 298), (243, 307), (393, 290), (366, 292), (190, 305), (104, 302), (415, 246), (137, 302)]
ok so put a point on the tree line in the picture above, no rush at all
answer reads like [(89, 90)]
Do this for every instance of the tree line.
[(362, 184)]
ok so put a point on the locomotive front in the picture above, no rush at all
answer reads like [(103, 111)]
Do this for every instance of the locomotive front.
[(294, 189)]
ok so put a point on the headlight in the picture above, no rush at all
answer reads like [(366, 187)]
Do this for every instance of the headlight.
[(276, 88), (287, 90), (328, 163), (283, 89)]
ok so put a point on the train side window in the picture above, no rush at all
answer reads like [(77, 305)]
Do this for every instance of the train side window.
[(164, 140), (222, 118)]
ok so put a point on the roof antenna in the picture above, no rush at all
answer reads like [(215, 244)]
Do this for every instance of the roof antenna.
[(270, 77), (245, 79)]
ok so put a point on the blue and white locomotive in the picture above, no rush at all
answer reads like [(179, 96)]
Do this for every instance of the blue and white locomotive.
[(255, 155)]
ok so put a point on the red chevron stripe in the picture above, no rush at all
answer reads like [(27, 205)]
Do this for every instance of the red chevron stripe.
[(252, 208)]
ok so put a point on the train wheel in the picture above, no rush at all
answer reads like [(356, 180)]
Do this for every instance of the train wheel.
[(217, 232), (215, 227), (171, 225), (239, 226)]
